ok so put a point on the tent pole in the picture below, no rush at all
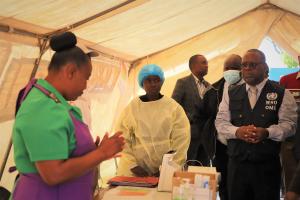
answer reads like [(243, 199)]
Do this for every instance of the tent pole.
[(43, 48), (5, 158)]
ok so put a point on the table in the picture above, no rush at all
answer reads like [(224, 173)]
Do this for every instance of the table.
[(135, 193)]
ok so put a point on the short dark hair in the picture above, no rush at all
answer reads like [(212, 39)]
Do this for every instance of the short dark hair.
[(262, 55), (233, 60), (193, 59)]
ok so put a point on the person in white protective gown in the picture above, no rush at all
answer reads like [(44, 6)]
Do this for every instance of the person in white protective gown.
[(152, 125)]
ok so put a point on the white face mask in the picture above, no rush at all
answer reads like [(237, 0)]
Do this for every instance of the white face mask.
[(232, 76)]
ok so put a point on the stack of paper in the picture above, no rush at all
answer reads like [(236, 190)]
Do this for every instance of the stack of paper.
[(130, 193)]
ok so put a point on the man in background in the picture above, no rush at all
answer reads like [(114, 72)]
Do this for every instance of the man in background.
[(215, 144), (290, 148), (189, 92)]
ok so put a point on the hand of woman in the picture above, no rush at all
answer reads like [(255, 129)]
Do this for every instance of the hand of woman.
[(111, 146)]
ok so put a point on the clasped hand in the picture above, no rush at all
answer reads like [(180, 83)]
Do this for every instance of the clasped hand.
[(251, 133)]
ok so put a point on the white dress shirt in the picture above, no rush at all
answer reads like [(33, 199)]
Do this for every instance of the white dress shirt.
[(221, 137), (202, 88), (287, 115)]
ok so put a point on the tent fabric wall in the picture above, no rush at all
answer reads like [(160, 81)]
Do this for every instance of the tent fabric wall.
[(109, 91), (8, 178), (16, 64), (286, 33), (236, 36)]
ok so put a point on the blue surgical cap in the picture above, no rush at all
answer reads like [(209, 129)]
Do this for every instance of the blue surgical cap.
[(150, 70)]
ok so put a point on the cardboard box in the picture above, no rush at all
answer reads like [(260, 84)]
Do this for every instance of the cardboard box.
[(179, 175)]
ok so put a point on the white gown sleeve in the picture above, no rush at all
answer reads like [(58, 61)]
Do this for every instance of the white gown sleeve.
[(180, 136), (127, 160)]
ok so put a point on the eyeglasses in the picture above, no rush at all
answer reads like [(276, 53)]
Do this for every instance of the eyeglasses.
[(250, 65)]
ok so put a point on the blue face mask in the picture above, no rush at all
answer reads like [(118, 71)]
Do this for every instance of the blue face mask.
[(232, 76)]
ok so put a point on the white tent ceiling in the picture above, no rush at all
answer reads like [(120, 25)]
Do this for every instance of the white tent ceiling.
[(130, 29)]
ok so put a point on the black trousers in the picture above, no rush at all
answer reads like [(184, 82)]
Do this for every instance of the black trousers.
[(196, 152), (254, 180)]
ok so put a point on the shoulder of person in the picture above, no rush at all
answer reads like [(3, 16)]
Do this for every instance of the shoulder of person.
[(219, 83), (170, 101), (175, 107), (41, 102), (210, 92), (43, 111), (287, 78), (283, 79), (126, 112), (133, 102), (186, 78), (234, 89), (276, 85), (294, 74)]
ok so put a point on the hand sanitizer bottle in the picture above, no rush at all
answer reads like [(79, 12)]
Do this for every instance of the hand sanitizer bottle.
[(186, 189)]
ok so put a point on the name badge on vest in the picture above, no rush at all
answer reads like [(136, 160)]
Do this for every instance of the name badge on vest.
[(271, 101)]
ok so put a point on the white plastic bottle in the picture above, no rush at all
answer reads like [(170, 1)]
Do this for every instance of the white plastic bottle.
[(201, 190), (186, 189), (177, 193)]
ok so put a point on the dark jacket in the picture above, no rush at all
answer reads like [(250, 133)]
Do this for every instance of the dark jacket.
[(264, 114), (187, 95), (209, 109), (295, 184)]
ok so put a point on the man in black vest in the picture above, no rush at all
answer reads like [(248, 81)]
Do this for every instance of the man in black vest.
[(255, 117)]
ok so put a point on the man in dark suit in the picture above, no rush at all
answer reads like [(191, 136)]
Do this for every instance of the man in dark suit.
[(189, 92)]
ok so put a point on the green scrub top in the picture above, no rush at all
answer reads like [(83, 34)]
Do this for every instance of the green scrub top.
[(43, 129)]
